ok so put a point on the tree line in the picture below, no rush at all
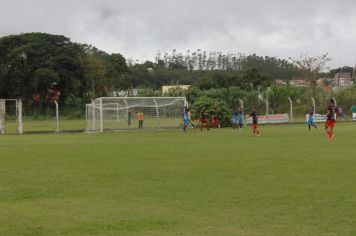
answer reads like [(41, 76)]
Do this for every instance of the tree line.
[(31, 62)]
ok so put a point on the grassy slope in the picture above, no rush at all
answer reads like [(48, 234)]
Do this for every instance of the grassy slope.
[(288, 182)]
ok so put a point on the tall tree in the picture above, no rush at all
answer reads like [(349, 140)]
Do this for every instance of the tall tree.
[(311, 67)]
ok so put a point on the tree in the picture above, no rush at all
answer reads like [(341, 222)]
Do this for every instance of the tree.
[(256, 80), (116, 69), (311, 67), (25, 57), (95, 72)]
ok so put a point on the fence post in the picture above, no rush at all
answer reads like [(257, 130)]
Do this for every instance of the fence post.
[(267, 107), (313, 102), (335, 103), (241, 104), (291, 108)]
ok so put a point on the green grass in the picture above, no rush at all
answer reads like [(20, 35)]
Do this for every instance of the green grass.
[(288, 182), (47, 125)]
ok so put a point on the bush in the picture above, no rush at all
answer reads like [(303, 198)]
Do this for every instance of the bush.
[(211, 105)]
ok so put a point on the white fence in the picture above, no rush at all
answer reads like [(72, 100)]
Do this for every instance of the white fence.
[(270, 119)]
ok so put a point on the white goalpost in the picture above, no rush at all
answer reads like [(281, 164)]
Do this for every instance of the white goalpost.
[(118, 113), (11, 108), (57, 116)]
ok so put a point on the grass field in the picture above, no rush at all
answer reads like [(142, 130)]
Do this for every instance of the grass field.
[(47, 125), (288, 182)]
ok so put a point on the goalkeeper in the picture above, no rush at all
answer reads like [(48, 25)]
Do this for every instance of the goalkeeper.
[(140, 117)]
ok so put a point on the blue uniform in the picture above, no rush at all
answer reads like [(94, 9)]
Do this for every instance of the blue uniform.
[(235, 117), (311, 117), (241, 117), (185, 118), (310, 121)]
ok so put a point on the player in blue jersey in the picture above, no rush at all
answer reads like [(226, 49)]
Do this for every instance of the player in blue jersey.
[(234, 119), (185, 118), (241, 117), (311, 118)]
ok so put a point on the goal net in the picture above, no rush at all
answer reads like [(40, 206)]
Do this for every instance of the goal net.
[(115, 113), (11, 116)]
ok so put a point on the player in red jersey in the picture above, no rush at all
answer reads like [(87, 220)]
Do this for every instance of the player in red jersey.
[(254, 114), (330, 119), (203, 121), (214, 121)]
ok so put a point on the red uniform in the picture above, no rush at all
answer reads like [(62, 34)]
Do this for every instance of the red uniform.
[(331, 117), (254, 116), (203, 121), (330, 123), (214, 121)]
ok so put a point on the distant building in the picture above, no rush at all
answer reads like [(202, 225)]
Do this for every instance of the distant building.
[(126, 93), (343, 80), (166, 88), (300, 83)]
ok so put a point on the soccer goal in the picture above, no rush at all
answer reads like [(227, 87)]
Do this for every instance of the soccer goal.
[(119, 113), (11, 116)]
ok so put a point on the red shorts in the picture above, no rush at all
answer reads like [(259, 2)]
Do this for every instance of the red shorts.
[(203, 120), (254, 126), (330, 123)]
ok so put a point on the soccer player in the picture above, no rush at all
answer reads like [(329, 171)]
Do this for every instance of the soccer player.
[(214, 121), (190, 119), (241, 117), (203, 120), (185, 119), (140, 117), (234, 119), (311, 118), (254, 114), (330, 120)]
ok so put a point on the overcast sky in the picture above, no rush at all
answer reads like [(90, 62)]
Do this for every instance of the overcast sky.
[(139, 28)]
